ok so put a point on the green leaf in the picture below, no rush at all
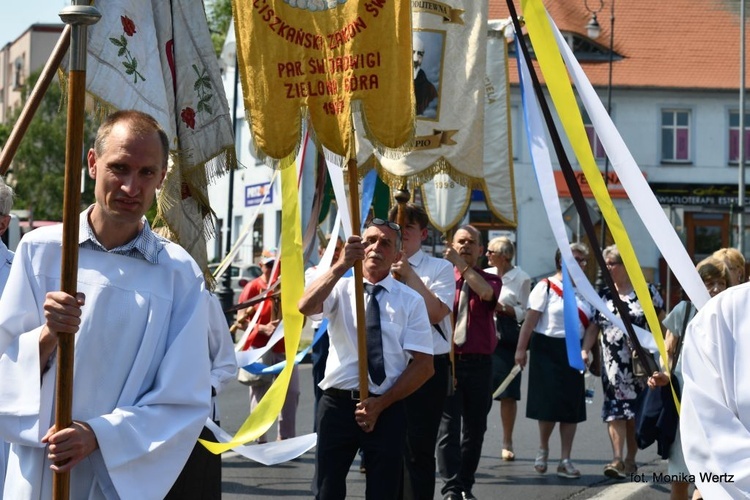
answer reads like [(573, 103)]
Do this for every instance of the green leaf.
[(121, 52), (116, 41)]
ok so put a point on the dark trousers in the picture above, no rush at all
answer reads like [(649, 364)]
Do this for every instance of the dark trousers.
[(319, 357), (339, 437), (464, 422), (201, 476), (424, 409)]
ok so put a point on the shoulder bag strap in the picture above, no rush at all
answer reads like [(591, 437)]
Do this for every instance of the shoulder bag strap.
[(685, 322)]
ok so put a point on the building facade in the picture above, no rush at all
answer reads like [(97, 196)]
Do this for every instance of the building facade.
[(20, 58), (674, 100)]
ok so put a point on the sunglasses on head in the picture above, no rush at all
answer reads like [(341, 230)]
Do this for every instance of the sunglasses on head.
[(376, 221)]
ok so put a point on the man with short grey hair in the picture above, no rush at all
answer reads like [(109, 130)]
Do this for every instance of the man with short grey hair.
[(6, 256)]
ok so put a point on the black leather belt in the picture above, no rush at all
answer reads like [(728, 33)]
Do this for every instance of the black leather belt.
[(471, 357), (437, 357), (352, 394)]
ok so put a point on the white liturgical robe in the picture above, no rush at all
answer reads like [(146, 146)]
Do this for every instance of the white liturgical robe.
[(715, 412), (142, 373)]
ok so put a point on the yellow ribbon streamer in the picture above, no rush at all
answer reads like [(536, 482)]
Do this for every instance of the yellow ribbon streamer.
[(556, 77), (264, 415)]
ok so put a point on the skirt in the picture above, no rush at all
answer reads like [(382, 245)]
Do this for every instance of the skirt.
[(503, 360), (556, 391)]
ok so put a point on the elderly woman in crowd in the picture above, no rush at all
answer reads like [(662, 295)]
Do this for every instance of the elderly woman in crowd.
[(715, 276), (556, 391), (621, 386), (509, 313)]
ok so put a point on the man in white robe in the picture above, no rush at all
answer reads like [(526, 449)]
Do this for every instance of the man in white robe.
[(142, 373), (715, 412), (6, 259)]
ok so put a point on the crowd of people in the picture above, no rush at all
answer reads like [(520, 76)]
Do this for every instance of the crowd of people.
[(441, 335)]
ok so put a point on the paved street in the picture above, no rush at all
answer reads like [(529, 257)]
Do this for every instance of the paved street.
[(243, 479)]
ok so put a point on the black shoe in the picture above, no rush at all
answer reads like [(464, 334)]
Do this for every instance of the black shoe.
[(452, 495), (467, 495)]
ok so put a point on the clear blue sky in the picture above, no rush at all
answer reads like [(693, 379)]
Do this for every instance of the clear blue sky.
[(18, 15)]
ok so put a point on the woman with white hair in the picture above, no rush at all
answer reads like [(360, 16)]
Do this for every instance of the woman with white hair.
[(509, 313)]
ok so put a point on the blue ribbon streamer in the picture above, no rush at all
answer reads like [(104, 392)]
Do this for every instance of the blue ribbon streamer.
[(572, 322), (368, 193)]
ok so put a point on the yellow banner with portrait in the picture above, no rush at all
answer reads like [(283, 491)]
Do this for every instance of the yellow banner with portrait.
[(325, 59)]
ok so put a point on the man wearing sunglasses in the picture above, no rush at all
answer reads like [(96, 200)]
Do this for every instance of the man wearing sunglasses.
[(377, 424)]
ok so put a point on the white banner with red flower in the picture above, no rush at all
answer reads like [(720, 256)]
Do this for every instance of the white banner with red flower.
[(157, 57)]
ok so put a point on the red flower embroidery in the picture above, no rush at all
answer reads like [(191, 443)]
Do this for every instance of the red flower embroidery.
[(128, 26), (188, 116)]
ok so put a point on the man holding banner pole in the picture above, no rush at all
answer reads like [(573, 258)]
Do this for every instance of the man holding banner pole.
[(399, 351), (142, 374)]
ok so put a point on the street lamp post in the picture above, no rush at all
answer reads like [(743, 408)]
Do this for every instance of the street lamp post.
[(225, 293), (594, 30)]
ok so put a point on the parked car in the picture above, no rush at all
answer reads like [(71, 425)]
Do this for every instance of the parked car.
[(241, 275)]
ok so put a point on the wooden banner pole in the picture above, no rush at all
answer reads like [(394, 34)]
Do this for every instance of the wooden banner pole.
[(79, 17), (359, 286), (34, 100), (402, 197)]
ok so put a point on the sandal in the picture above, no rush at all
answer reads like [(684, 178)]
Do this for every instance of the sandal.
[(567, 470), (508, 455), (540, 464), (615, 470)]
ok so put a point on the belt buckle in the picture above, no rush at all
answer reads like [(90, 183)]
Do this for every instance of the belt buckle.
[(354, 394)]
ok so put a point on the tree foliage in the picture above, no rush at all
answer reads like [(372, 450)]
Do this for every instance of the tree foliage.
[(37, 173), (219, 15)]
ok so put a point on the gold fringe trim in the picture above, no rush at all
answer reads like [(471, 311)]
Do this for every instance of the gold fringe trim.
[(276, 163), (441, 166), (390, 153)]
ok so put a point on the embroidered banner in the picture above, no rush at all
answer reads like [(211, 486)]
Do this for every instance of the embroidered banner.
[(156, 56), (446, 200), (448, 70), (323, 58)]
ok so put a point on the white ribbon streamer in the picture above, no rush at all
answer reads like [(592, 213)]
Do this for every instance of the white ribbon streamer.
[(632, 180), (336, 175), (545, 179), (272, 453)]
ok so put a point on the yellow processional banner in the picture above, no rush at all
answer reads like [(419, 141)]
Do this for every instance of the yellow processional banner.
[(323, 58)]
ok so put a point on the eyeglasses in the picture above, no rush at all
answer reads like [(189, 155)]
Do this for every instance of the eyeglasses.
[(491, 252), (581, 260), (377, 221), (612, 264)]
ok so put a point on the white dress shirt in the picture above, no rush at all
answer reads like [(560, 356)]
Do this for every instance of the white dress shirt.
[(515, 290), (437, 275), (404, 325)]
